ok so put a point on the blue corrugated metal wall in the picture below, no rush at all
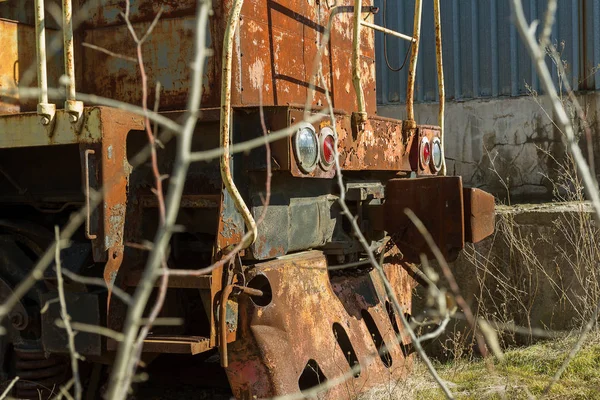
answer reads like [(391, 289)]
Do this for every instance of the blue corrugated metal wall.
[(483, 53)]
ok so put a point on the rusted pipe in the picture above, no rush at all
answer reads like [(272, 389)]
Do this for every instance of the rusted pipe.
[(227, 290), (360, 96), (44, 109), (440, 73), (73, 107), (410, 90), (387, 31), (240, 205)]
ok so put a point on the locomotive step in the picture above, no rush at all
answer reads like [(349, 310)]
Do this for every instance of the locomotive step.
[(181, 344), (176, 344), (180, 282)]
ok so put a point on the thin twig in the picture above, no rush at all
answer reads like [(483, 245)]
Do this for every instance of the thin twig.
[(537, 54), (4, 394), (371, 256), (108, 52), (66, 318), (87, 280), (96, 329), (121, 375), (449, 277)]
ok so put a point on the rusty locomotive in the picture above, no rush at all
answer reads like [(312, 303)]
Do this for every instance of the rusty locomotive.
[(281, 318)]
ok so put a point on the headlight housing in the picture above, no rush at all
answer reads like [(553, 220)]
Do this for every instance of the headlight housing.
[(306, 148), (437, 156)]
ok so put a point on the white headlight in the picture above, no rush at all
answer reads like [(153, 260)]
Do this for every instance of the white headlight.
[(306, 148), (436, 153)]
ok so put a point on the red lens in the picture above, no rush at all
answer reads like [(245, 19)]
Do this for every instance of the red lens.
[(426, 153), (328, 151)]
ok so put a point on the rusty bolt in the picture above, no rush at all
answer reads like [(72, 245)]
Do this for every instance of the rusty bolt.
[(45, 120), (73, 118), (18, 321)]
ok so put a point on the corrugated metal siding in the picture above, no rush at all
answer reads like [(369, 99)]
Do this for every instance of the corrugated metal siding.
[(483, 53)]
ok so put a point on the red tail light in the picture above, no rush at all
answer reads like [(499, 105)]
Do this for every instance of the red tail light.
[(425, 152), (327, 148)]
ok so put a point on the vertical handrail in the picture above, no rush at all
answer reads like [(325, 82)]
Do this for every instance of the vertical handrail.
[(44, 109), (361, 116), (410, 90), (240, 205), (440, 72), (73, 107)]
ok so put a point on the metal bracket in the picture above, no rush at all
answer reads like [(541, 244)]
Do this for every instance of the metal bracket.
[(87, 194), (47, 113), (75, 110)]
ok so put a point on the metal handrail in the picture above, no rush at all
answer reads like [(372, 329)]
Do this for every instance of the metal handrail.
[(410, 90), (44, 109), (227, 59), (72, 106)]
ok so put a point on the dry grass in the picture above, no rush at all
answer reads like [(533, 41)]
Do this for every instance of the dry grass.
[(524, 372)]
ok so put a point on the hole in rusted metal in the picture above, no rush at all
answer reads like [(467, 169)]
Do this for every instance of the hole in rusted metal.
[(261, 283), (311, 376), (344, 341), (392, 315), (382, 349)]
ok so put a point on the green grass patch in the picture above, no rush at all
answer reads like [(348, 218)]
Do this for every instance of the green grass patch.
[(525, 372)]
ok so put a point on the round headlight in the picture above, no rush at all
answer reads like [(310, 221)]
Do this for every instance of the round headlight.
[(327, 148), (437, 156), (306, 148), (425, 153)]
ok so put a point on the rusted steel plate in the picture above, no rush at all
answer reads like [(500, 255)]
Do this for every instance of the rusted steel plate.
[(479, 214), (438, 202), (272, 61), (167, 55), (274, 345), (17, 55), (277, 48), (382, 145), (26, 130), (107, 12), (279, 44)]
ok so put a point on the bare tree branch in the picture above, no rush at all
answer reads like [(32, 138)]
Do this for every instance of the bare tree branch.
[(66, 318), (537, 53), (121, 374), (4, 394)]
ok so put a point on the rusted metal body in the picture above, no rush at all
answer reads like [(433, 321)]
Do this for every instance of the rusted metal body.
[(281, 321), (274, 347)]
